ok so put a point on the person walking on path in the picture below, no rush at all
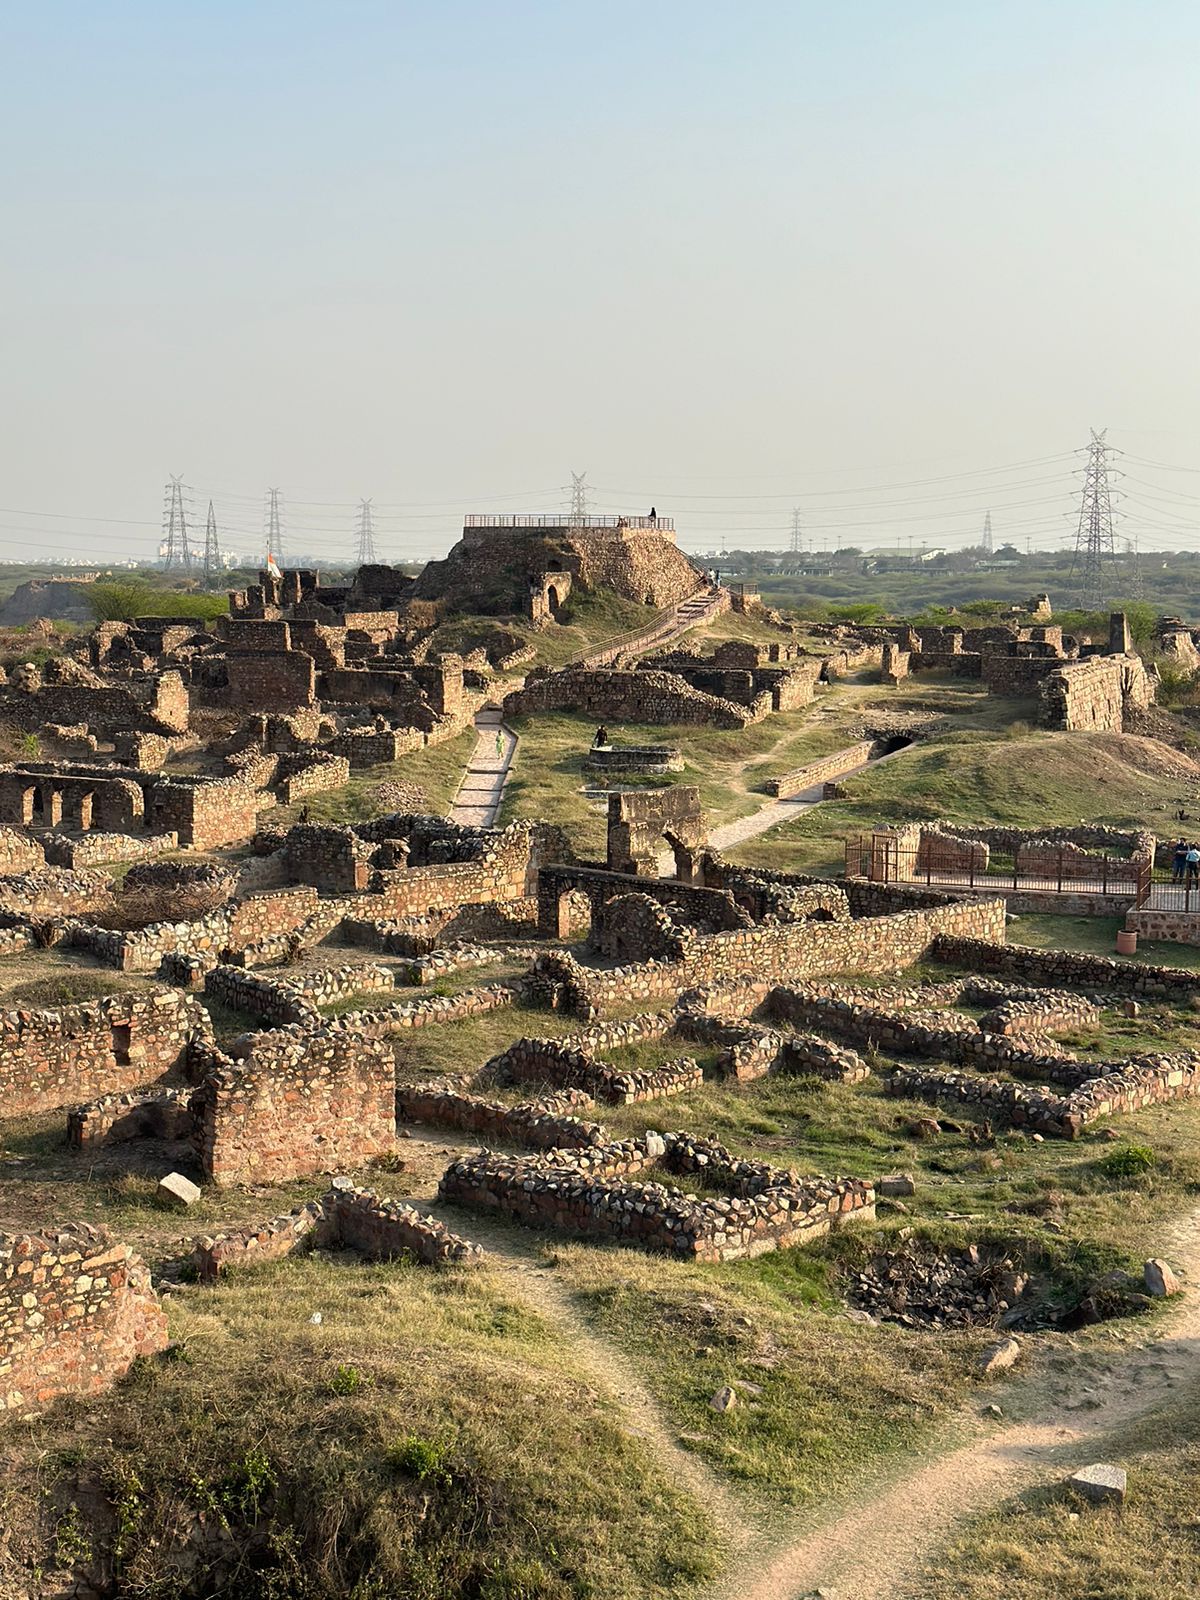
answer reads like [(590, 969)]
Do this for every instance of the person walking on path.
[(499, 744)]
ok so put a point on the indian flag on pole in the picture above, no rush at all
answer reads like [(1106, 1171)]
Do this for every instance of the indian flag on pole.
[(273, 566)]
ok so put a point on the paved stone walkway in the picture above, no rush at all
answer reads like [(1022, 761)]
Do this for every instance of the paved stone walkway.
[(478, 797)]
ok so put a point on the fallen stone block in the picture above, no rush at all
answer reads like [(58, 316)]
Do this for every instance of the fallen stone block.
[(177, 1191), (1101, 1483), (897, 1183), (1159, 1279), (724, 1399), (997, 1357)]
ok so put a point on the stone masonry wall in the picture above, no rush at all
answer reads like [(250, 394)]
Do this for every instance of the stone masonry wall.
[(820, 771), (54, 1058), (302, 1102), (1092, 695), (864, 944), (617, 696), (74, 1316)]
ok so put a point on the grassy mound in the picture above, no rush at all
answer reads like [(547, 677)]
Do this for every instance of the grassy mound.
[(1026, 780), (430, 1438)]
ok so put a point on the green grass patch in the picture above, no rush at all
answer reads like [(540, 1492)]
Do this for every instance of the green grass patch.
[(431, 1437), (438, 769), (980, 776), (730, 766), (818, 1396)]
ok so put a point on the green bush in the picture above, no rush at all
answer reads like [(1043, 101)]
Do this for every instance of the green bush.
[(426, 1460), (1127, 1161), (126, 599)]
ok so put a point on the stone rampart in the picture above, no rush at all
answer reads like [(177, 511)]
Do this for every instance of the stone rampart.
[(608, 694)]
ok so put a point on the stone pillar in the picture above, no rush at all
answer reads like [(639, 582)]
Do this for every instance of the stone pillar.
[(1119, 641)]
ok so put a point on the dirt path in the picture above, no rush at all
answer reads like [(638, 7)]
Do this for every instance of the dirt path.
[(876, 1549), (607, 1365)]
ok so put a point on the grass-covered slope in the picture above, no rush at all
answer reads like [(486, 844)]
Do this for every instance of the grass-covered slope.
[(429, 1437), (1023, 778)]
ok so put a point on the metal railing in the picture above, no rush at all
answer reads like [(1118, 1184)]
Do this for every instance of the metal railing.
[(885, 859), (564, 522)]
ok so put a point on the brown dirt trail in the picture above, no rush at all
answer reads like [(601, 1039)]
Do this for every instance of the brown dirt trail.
[(876, 1549)]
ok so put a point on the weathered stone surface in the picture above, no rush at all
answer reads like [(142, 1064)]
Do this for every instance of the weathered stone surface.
[(1101, 1483), (897, 1183), (177, 1191), (1159, 1278), (999, 1356)]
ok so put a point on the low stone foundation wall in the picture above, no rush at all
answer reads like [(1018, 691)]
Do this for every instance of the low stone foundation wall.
[(354, 1219), (821, 771), (74, 1316), (543, 1124), (116, 1118), (399, 1018), (1056, 968), (591, 1195)]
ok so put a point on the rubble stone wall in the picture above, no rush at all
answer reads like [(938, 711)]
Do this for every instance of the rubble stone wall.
[(54, 1058), (301, 1103), (609, 694), (74, 1316), (821, 770)]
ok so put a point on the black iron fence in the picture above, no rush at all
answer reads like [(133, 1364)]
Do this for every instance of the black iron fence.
[(955, 863)]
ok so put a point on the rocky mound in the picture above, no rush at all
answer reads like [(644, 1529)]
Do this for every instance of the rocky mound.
[(491, 577)]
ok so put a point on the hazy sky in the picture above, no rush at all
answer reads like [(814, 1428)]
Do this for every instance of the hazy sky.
[(725, 258)]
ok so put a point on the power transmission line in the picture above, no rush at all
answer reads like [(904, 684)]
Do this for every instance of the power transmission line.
[(986, 541), (1136, 585), (366, 535), (274, 530), (179, 555), (797, 535), (212, 549), (579, 499), (1094, 554)]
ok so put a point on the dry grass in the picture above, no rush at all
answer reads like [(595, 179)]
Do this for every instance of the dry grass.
[(430, 1438), (1050, 1543)]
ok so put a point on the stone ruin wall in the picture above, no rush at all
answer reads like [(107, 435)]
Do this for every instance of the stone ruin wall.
[(869, 942), (589, 1192), (74, 1316), (238, 925), (822, 770), (1093, 695), (612, 695), (49, 1059), (301, 1103), (345, 1217)]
